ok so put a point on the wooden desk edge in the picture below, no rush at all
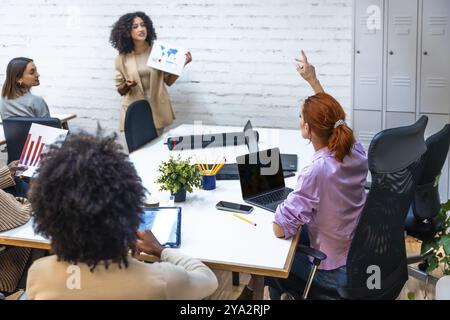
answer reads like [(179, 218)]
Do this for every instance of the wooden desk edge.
[(67, 117), (25, 243), (250, 269)]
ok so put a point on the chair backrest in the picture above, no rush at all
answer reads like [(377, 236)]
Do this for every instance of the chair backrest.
[(426, 202), (16, 130), (376, 263), (422, 221), (139, 125)]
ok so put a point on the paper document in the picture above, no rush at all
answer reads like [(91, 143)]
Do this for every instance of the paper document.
[(39, 139), (167, 58)]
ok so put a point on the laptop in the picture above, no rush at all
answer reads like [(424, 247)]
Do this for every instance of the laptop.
[(262, 181), (289, 161)]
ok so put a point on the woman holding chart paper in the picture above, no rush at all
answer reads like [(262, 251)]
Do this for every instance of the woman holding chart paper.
[(88, 199), (133, 35)]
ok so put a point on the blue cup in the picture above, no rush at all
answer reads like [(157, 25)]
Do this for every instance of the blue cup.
[(209, 182)]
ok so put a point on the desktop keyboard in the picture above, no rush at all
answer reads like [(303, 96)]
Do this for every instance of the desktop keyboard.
[(273, 197)]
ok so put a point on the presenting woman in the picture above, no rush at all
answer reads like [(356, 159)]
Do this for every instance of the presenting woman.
[(133, 35)]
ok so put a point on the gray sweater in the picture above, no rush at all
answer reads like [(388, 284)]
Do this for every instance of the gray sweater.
[(27, 105)]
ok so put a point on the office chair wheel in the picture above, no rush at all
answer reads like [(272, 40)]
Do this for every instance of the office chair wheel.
[(423, 266)]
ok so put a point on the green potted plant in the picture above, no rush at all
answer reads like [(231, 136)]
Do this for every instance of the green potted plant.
[(178, 176), (440, 243)]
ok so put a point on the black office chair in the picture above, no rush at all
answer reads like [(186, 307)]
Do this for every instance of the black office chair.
[(394, 161), (16, 130), (422, 221), (139, 125)]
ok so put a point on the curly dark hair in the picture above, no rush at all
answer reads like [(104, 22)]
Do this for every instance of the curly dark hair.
[(120, 37), (88, 200)]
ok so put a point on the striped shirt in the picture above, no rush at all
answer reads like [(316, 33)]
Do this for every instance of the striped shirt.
[(13, 213)]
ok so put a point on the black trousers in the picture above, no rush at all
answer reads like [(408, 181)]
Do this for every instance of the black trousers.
[(19, 190)]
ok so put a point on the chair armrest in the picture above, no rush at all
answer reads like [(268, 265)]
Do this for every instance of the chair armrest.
[(316, 254), (419, 258)]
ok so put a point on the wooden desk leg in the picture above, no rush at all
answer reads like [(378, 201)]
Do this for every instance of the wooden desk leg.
[(258, 287), (235, 276)]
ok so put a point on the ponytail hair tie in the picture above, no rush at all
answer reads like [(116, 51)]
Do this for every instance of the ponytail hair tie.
[(338, 123)]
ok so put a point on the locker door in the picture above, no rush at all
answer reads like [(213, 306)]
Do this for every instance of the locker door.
[(399, 119), (402, 54), (435, 57), (436, 123), (368, 54), (366, 125)]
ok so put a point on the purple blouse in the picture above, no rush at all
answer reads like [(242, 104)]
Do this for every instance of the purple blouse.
[(329, 197)]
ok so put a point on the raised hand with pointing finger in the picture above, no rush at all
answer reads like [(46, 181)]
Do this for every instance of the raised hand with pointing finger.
[(308, 72)]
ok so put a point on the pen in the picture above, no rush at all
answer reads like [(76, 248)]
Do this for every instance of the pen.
[(242, 218)]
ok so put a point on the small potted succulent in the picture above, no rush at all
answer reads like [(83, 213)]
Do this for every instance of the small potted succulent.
[(178, 176)]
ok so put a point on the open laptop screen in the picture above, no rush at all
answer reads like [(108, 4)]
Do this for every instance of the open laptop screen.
[(260, 172), (251, 138)]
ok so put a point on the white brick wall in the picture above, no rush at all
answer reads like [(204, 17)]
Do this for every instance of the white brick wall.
[(243, 53)]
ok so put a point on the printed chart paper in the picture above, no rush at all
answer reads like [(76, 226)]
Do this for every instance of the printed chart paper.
[(167, 58), (39, 138)]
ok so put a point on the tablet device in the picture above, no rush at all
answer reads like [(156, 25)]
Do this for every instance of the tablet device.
[(165, 223)]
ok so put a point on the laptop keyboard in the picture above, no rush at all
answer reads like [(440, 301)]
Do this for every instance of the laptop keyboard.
[(272, 197)]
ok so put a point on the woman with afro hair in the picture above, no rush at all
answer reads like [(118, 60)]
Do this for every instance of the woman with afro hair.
[(133, 35), (88, 201)]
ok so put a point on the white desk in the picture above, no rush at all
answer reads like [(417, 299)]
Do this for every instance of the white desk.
[(216, 237), (63, 117)]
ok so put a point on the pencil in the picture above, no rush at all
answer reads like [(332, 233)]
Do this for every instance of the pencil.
[(200, 164), (217, 169), (206, 163), (243, 219), (215, 165), (219, 166)]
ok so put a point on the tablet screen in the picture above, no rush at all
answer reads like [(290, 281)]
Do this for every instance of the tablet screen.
[(165, 223)]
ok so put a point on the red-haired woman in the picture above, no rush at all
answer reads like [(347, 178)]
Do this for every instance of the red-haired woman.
[(329, 195)]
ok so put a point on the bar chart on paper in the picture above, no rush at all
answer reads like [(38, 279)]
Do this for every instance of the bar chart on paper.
[(32, 151), (38, 139)]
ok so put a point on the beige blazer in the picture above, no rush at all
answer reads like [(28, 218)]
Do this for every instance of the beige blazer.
[(176, 276), (126, 69)]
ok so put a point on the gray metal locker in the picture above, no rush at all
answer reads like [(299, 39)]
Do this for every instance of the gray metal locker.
[(368, 82), (401, 55), (435, 57), (435, 123), (366, 125), (415, 57), (399, 119)]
